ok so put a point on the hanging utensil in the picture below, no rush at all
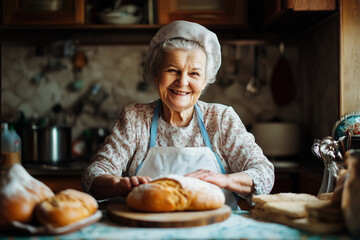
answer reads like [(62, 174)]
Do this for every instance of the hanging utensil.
[(79, 62), (253, 86), (282, 83)]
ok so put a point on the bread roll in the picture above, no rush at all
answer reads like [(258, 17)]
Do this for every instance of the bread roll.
[(66, 207), (175, 193), (19, 194)]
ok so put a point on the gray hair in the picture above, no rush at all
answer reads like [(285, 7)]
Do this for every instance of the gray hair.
[(153, 61)]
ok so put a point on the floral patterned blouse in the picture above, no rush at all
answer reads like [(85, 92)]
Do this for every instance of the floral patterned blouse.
[(128, 143)]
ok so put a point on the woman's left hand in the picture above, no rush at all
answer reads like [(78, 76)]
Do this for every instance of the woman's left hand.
[(240, 183), (221, 180)]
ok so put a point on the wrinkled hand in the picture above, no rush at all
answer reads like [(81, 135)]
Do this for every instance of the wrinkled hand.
[(221, 180), (126, 184)]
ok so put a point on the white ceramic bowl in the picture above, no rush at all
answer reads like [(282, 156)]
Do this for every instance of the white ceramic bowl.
[(127, 14), (277, 138)]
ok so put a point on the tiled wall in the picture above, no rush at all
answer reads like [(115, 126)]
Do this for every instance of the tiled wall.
[(118, 70)]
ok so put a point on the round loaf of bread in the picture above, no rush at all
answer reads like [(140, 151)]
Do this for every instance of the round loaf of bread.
[(19, 194), (175, 193), (66, 207)]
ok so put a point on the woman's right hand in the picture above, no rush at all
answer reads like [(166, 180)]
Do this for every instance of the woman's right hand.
[(106, 186), (126, 184)]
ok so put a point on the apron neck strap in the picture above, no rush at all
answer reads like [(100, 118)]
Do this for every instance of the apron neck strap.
[(154, 124), (200, 120)]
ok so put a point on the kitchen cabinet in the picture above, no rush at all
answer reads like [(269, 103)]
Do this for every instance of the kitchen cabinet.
[(349, 56), (230, 20), (213, 12), (310, 182), (286, 181), (28, 12), (292, 14)]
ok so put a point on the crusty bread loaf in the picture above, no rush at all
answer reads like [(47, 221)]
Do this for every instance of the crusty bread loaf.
[(175, 193), (19, 194), (66, 207)]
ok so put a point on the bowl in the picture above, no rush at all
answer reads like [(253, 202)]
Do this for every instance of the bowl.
[(127, 14), (277, 139), (348, 123)]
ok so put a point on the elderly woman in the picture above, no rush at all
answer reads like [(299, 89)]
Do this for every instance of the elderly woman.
[(179, 134)]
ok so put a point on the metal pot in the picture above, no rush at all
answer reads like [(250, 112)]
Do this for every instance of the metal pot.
[(46, 145), (95, 140)]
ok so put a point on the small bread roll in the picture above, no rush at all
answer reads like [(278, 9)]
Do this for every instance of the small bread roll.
[(175, 193), (19, 194), (66, 207)]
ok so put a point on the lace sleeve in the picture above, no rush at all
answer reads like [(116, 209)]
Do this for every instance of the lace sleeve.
[(118, 149), (242, 154)]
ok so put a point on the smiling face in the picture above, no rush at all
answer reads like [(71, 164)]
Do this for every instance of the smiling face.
[(181, 78)]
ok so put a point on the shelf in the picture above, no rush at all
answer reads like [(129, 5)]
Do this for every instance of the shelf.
[(80, 26), (286, 25), (102, 34), (106, 27), (89, 34), (86, 34)]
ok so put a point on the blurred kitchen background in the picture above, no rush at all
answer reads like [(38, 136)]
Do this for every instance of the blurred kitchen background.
[(280, 69), (47, 88)]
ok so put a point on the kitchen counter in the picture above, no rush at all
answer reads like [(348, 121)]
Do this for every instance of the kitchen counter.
[(71, 169), (238, 226), (60, 177)]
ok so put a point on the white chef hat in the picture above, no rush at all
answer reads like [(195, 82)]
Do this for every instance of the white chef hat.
[(190, 31)]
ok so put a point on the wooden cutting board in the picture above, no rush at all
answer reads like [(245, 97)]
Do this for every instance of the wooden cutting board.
[(122, 214)]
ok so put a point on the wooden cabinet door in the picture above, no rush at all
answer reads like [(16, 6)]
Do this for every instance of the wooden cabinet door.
[(349, 56), (26, 12), (207, 12)]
